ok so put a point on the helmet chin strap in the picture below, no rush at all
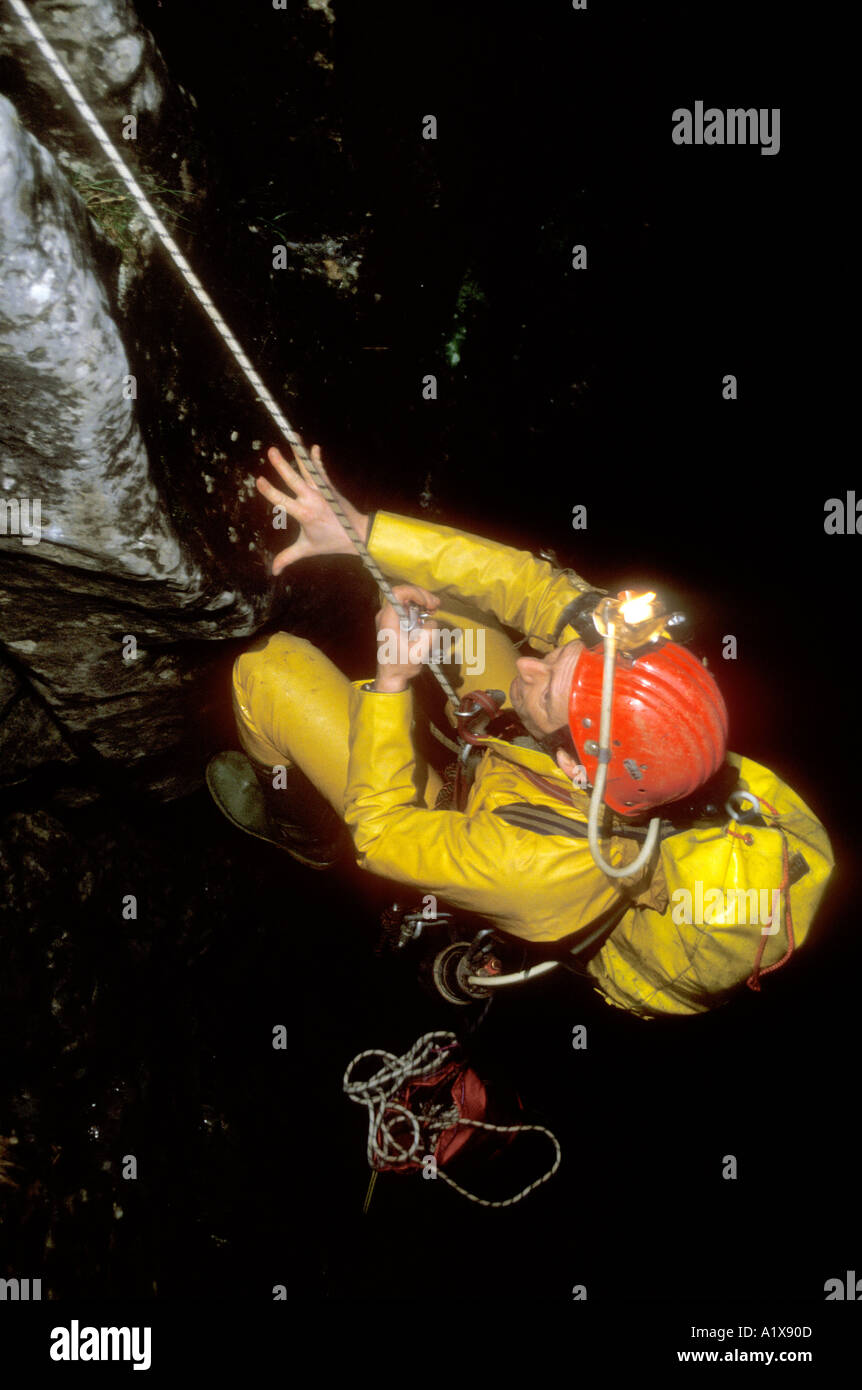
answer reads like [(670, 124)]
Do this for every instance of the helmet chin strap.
[(604, 757)]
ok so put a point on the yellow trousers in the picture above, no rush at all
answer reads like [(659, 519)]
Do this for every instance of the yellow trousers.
[(291, 703)]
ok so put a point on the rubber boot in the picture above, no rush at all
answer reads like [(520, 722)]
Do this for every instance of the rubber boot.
[(296, 818)]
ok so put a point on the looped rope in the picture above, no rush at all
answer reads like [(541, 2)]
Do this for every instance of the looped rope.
[(378, 1092)]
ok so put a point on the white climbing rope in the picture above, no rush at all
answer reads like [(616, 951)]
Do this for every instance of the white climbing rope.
[(156, 224), (378, 1094)]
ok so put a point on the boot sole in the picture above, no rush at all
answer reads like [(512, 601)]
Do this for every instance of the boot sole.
[(258, 828)]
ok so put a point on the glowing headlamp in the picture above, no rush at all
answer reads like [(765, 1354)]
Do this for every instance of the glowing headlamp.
[(638, 619)]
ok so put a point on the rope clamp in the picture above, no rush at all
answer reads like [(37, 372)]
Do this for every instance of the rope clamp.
[(415, 617)]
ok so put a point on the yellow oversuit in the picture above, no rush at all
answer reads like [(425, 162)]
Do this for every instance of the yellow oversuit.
[(532, 880)]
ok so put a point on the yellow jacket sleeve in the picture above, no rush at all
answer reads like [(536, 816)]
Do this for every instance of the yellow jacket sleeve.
[(521, 591), (539, 888)]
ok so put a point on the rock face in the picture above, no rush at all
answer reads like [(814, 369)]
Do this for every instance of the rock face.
[(106, 567), (133, 543), (112, 59), (97, 584)]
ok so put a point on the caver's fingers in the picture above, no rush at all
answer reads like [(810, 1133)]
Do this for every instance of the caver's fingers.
[(291, 475), (275, 496)]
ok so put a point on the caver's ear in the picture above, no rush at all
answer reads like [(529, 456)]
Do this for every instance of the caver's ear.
[(567, 764)]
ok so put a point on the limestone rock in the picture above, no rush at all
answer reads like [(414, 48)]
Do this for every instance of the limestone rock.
[(97, 559)]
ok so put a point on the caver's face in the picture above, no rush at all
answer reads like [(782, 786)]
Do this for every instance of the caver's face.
[(540, 691)]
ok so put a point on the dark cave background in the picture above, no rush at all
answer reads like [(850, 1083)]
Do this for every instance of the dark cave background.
[(601, 388)]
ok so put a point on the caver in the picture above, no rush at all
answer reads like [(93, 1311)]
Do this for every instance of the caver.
[(593, 781)]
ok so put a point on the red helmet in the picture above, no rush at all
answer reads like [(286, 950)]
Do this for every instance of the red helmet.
[(668, 725)]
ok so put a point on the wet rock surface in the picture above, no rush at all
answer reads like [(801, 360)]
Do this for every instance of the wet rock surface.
[(113, 60), (97, 551), (125, 424)]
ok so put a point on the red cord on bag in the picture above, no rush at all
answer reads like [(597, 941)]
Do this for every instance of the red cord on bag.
[(749, 839), (753, 980)]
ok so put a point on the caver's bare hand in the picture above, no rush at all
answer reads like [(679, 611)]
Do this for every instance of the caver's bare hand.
[(321, 532)]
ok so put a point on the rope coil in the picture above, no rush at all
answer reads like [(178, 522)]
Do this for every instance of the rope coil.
[(379, 1092)]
